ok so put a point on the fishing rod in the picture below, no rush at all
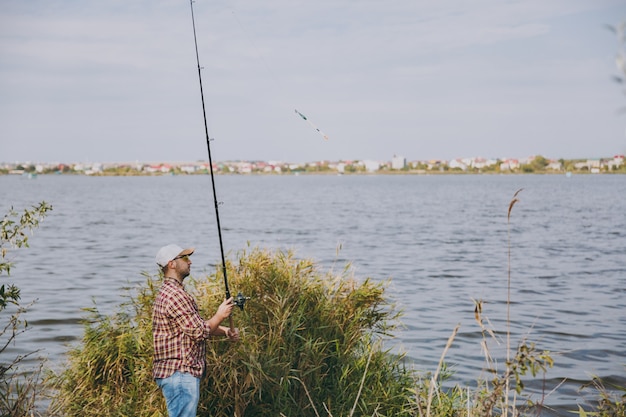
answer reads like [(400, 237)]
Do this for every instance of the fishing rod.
[(239, 300)]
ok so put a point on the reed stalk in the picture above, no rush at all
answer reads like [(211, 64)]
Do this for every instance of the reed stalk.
[(508, 301)]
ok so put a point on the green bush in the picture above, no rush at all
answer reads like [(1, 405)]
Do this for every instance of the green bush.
[(311, 344), (19, 387)]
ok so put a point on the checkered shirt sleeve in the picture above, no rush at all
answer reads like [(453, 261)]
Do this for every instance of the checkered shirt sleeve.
[(178, 332)]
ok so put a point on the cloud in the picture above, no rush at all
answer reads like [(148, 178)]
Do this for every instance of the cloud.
[(370, 74)]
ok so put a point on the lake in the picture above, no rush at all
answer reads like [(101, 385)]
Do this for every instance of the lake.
[(441, 240)]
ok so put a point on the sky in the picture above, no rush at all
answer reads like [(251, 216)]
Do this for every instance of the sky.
[(117, 80)]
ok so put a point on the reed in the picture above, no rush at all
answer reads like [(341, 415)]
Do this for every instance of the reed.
[(494, 396), (491, 396), (611, 399), (310, 341)]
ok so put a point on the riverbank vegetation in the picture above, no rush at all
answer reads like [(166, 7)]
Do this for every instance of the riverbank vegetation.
[(19, 388), (314, 343), (311, 341)]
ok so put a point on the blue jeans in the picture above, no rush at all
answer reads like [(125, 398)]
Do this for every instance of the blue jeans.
[(182, 393)]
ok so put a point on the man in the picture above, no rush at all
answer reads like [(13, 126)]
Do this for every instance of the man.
[(179, 334)]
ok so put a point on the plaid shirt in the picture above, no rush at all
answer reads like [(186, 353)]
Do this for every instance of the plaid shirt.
[(178, 332)]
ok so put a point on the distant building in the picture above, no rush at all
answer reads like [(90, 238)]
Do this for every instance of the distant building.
[(594, 165), (398, 162), (509, 164), (244, 167), (190, 169), (371, 166), (96, 168), (480, 163), (554, 165), (457, 163), (616, 162)]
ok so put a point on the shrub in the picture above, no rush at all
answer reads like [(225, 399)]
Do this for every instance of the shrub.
[(311, 343), (18, 389)]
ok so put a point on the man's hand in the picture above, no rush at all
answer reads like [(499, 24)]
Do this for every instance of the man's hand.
[(224, 310), (233, 335)]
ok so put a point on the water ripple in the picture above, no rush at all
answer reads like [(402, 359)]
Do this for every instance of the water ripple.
[(443, 241)]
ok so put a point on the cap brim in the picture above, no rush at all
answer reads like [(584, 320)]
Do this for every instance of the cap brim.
[(187, 252)]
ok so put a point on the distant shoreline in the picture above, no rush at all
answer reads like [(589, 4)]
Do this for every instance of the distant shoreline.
[(397, 166), (422, 173)]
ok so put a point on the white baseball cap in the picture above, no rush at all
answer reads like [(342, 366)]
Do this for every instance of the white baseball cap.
[(169, 252)]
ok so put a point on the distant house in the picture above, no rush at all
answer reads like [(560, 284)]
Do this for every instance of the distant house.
[(616, 162), (594, 165), (371, 166), (244, 167), (157, 168), (457, 164), (554, 166), (398, 162), (480, 163), (96, 168), (509, 164), (190, 169), (431, 164)]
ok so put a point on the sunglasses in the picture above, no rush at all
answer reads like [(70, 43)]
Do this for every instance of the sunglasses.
[(184, 258)]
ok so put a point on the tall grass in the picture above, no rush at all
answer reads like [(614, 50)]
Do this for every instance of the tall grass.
[(309, 346)]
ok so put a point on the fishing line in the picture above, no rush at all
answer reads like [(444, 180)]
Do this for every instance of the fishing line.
[(239, 299), (271, 73)]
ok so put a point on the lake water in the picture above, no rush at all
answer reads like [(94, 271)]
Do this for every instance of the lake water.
[(442, 240)]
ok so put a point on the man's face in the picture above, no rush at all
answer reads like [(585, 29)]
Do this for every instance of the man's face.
[(183, 266)]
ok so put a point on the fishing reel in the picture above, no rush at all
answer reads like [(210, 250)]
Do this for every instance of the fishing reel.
[(240, 300)]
